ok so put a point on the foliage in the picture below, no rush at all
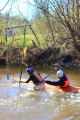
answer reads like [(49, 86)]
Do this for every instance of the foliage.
[(55, 24), (62, 18)]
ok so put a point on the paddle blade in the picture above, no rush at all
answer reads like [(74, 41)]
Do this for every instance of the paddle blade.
[(25, 52), (68, 58)]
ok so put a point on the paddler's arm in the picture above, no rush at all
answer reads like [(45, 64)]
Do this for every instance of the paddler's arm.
[(25, 81), (52, 83), (56, 83)]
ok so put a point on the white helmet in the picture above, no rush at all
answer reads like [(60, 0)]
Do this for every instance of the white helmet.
[(60, 73)]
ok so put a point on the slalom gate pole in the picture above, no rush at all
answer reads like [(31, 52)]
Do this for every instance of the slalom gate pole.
[(7, 62)]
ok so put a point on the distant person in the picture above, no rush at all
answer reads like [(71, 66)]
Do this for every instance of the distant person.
[(34, 77), (62, 81)]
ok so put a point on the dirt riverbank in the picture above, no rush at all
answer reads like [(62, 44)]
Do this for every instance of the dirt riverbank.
[(39, 57)]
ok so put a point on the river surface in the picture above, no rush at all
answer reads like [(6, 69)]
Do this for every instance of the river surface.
[(17, 103)]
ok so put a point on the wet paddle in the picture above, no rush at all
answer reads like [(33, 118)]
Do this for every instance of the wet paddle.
[(67, 59), (21, 73), (24, 55)]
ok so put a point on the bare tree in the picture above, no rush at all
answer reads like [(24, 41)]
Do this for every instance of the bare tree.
[(5, 5), (28, 23), (68, 15), (66, 12)]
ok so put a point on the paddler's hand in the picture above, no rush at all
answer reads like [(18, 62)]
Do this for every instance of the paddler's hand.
[(46, 81), (24, 63), (20, 82), (56, 69)]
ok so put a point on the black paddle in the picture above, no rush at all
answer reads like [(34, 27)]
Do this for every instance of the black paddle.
[(23, 56), (67, 59), (21, 73)]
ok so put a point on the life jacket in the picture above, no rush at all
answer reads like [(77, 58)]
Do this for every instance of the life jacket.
[(37, 76), (67, 83)]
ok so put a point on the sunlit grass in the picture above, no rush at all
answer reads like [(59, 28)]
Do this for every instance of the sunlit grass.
[(21, 40)]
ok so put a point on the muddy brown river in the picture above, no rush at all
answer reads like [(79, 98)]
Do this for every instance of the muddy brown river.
[(17, 103)]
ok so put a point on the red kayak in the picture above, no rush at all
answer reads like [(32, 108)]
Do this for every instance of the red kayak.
[(72, 89)]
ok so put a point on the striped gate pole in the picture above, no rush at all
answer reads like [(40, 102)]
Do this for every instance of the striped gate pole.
[(7, 62)]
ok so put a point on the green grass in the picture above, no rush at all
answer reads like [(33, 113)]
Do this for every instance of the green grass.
[(18, 41)]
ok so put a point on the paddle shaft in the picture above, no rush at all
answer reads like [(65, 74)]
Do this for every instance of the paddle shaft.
[(53, 70), (21, 73), (49, 73), (23, 55), (66, 59)]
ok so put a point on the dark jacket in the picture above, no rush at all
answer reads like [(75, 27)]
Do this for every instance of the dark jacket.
[(60, 82), (33, 78)]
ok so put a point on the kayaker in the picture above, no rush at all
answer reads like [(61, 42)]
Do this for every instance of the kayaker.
[(34, 77), (63, 79)]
